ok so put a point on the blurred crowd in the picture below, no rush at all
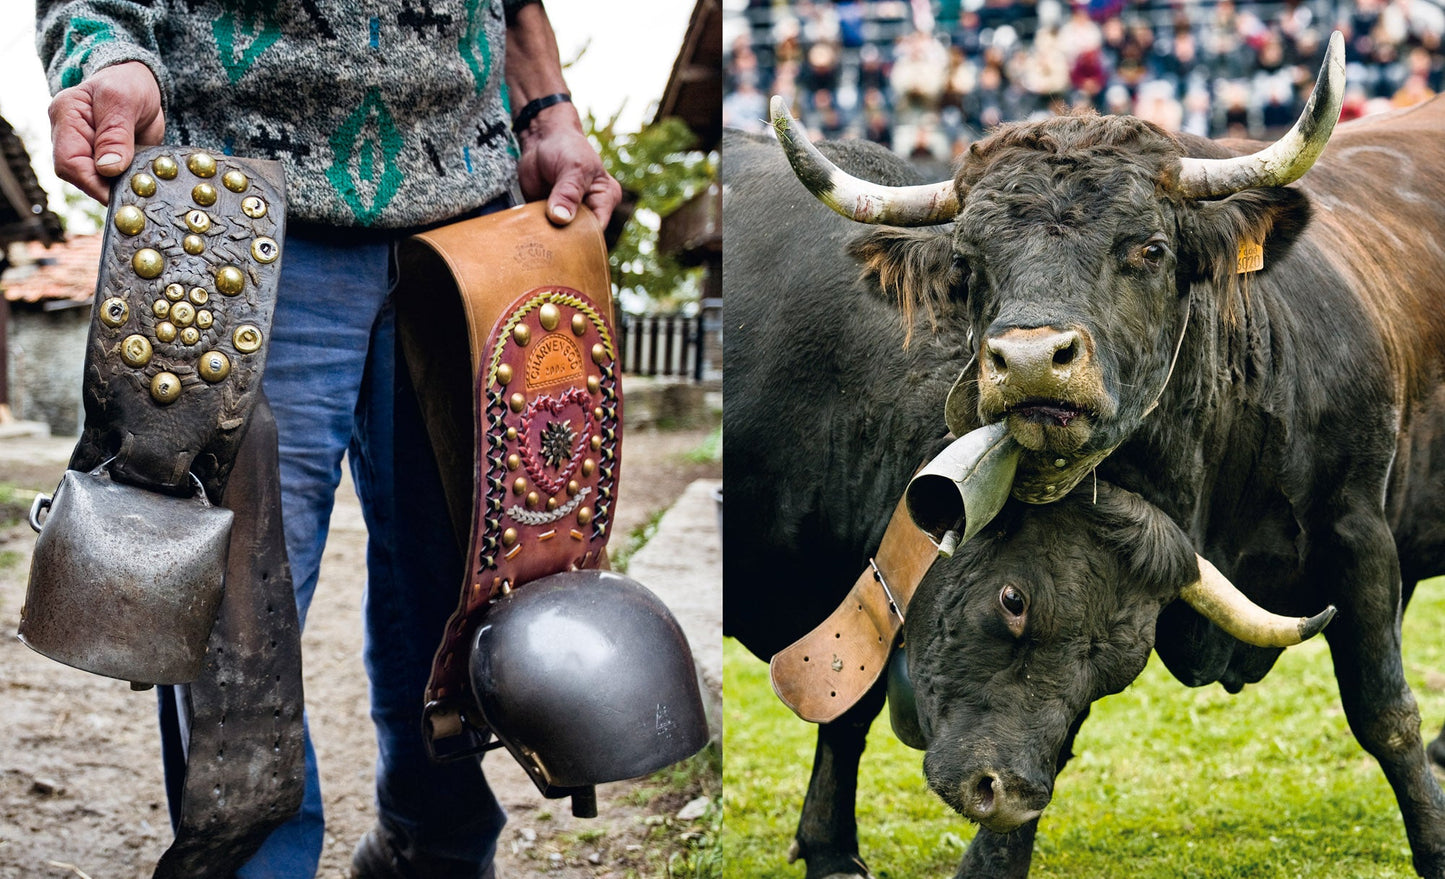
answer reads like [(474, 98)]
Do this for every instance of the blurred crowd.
[(927, 77)]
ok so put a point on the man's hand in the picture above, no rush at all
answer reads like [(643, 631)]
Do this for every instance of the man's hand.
[(96, 125), (559, 162)]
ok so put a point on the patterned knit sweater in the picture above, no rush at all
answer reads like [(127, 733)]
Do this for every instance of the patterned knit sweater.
[(386, 113)]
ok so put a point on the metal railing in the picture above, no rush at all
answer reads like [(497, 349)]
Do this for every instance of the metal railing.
[(662, 345)]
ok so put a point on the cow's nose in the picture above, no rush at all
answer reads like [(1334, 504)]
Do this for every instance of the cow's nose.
[(996, 805), (1035, 359)]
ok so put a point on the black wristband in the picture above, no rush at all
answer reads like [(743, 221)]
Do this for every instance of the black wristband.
[(535, 106)]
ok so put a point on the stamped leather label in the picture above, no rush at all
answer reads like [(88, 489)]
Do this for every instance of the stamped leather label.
[(555, 360), (1251, 257)]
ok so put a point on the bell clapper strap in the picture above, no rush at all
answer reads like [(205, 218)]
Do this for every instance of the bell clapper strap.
[(826, 672)]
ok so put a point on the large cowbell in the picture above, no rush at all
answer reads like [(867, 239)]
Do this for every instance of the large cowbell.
[(962, 489), (125, 582)]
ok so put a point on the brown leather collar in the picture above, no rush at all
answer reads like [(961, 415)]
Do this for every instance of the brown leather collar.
[(828, 670)]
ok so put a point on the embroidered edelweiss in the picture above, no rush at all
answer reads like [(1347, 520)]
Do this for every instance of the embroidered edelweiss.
[(557, 438)]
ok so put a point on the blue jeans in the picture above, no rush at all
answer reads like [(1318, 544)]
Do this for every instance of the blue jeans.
[(337, 384)]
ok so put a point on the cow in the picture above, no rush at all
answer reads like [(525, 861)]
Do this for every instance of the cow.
[(1081, 274)]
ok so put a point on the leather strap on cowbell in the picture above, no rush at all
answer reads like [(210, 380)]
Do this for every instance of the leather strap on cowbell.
[(828, 670), (506, 322)]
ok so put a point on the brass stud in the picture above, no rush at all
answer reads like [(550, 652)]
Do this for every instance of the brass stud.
[(593, 384), (533, 499), (511, 433), (201, 164), (148, 263), (549, 316), (198, 221), (183, 314), (584, 515), (514, 461), (596, 443), (246, 338), (143, 185), (114, 311), (253, 207), (520, 486), (165, 387), (235, 181), (589, 467), (551, 504), (579, 325), (598, 413), (599, 354), (230, 280), (509, 537), (213, 366), (166, 331), (161, 308), (517, 402), (193, 244), (190, 336), (175, 292), (522, 334), (165, 167), (198, 295), (573, 488), (129, 219), (265, 250), (135, 351), (504, 374), (203, 319), (203, 194)]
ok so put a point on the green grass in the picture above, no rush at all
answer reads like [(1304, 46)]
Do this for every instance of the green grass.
[(709, 451), (1170, 782)]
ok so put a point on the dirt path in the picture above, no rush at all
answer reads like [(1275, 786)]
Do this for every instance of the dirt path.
[(80, 783)]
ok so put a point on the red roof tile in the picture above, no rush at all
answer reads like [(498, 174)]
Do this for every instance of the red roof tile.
[(59, 272)]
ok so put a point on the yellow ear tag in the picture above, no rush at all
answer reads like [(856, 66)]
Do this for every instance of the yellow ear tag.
[(1251, 257)]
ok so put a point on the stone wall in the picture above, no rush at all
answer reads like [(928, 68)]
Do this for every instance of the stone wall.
[(46, 358)]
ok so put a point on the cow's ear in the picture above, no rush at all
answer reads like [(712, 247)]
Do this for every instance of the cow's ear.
[(1156, 553), (913, 267), (1224, 231)]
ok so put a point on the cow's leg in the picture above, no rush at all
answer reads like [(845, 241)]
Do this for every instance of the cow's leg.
[(827, 835), (1365, 645), (1008, 855)]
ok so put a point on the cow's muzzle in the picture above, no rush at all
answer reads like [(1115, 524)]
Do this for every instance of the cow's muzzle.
[(1046, 382), (1000, 802)]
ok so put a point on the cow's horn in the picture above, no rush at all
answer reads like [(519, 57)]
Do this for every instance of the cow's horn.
[(858, 199), (1287, 159), (1219, 600)]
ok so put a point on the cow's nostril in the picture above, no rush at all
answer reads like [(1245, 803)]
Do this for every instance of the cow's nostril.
[(1066, 354), (996, 361), (984, 794)]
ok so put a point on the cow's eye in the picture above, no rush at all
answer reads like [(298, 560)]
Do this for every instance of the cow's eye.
[(1013, 601), (1154, 251)]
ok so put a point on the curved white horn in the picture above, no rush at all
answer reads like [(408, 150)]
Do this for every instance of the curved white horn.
[(1222, 602), (856, 199), (1287, 159)]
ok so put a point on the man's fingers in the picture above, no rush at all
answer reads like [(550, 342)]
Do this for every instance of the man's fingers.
[(566, 194), (96, 125), (603, 196), (73, 135)]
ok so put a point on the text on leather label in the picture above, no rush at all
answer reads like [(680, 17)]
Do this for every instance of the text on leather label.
[(555, 360)]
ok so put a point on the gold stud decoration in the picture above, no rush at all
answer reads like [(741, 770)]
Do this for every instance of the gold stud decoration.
[(596, 443), (593, 384), (265, 250), (599, 354), (193, 244), (509, 537), (517, 402), (203, 319), (213, 366), (253, 207), (235, 181), (165, 167), (201, 164), (514, 461), (190, 336), (522, 334), (579, 325), (148, 263), (230, 280), (584, 515), (161, 308), (135, 351), (520, 485), (198, 221), (511, 433), (175, 292), (247, 339), (589, 467), (198, 295), (548, 316), (573, 488), (166, 331), (533, 499), (551, 504), (114, 311), (143, 185), (129, 219), (504, 374), (203, 194), (165, 387), (183, 314)]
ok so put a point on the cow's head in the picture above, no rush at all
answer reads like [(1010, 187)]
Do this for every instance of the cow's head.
[(1050, 608), (1075, 243)]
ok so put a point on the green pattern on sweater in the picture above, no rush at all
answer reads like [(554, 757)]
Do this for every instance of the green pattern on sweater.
[(251, 24), (85, 32), (353, 169), (475, 49)]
